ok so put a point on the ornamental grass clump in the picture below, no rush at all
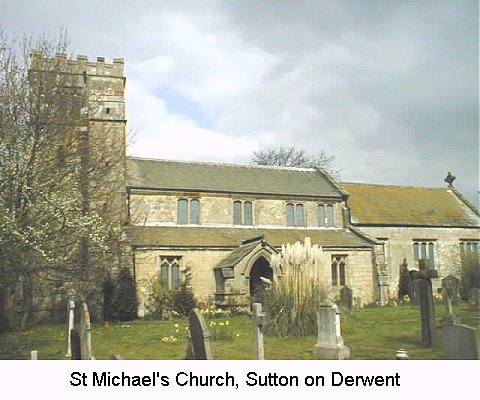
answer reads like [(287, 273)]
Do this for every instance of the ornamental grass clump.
[(292, 301)]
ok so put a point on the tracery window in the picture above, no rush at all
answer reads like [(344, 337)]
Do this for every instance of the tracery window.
[(170, 272), (339, 265)]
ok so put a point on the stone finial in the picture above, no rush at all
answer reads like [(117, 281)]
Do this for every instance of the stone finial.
[(449, 179)]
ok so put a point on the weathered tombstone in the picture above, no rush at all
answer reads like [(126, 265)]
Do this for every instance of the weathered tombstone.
[(117, 357), (70, 325), (330, 342), (199, 340), (258, 322), (346, 300), (460, 342), (451, 287), (427, 310), (414, 289), (34, 355), (85, 334), (448, 318), (474, 298)]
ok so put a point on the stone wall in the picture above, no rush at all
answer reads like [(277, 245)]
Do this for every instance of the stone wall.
[(399, 246), (360, 275), (157, 208)]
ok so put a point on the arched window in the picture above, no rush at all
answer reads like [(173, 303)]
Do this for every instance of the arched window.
[(424, 250), (194, 211), (182, 211), (237, 213), (295, 215), (248, 213), (339, 266), (170, 272), (188, 211)]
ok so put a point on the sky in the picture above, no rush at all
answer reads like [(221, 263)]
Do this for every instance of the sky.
[(390, 88)]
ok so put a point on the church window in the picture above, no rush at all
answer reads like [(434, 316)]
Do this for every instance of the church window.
[(242, 213), (295, 215), (469, 248), (424, 250), (194, 211), (326, 216), (170, 272), (188, 211), (339, 270), (182, 211)]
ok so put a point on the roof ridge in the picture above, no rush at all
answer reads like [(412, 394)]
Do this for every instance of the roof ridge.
[(226, 164), (394, 186)]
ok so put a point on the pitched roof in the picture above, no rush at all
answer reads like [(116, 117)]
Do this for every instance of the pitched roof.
[(231, 178), (204, 236), (408, 206)]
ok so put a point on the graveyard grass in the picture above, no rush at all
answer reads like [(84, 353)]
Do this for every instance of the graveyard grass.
[(371, 333)]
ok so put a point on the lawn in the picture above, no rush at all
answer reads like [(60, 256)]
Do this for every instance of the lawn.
[(372, 333)]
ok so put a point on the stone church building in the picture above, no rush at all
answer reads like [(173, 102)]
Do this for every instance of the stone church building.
[(220, 223)]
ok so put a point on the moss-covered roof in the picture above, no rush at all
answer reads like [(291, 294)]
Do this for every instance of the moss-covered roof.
[(210, 177), (408, 206), (203, 236)]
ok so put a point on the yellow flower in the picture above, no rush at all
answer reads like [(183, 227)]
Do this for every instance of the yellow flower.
[(237, 335), (221, 324), (226, 323), (176, 325)]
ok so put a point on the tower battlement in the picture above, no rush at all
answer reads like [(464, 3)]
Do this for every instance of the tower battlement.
[(79, 65)]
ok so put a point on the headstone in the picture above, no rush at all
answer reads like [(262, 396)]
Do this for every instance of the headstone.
[(401, 354), (199, 340), (427, 310), (460, 342), (414, 289), (85, 334), (346, 300), (34, 355), (75, 344), (330, 342), (451, 287), (70, 325), (117, 357), (474, 299), (258, 322), (448, 318)]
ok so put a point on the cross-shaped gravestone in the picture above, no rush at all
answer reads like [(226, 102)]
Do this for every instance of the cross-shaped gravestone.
[(70, 325), (199, 337), (258, 322), (427, 311), (85, 334)]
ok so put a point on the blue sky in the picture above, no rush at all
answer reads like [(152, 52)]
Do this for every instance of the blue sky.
[(389, 88)]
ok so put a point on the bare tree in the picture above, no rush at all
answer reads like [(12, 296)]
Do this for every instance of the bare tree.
[(293, 157), (59, 221)]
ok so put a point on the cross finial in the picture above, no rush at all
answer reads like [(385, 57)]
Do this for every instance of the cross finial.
[(449, 179)]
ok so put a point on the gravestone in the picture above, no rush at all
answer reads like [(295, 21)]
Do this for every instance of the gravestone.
[(330, 342), (427, 310), (34, 355), (70, 325), (460, 342), (414, 290), (346, 300), (85, 334), (199, 338), (258, 322), (117, 357), (75, 345), (448, 318), (474, 299), (451, 287)]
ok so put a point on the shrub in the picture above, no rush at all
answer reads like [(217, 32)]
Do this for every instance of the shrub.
[(183, 301), (124, 302), (403, 281), (291, 303), (469, 273)]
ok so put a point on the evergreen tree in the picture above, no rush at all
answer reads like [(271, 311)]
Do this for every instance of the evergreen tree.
[(124, 303)]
